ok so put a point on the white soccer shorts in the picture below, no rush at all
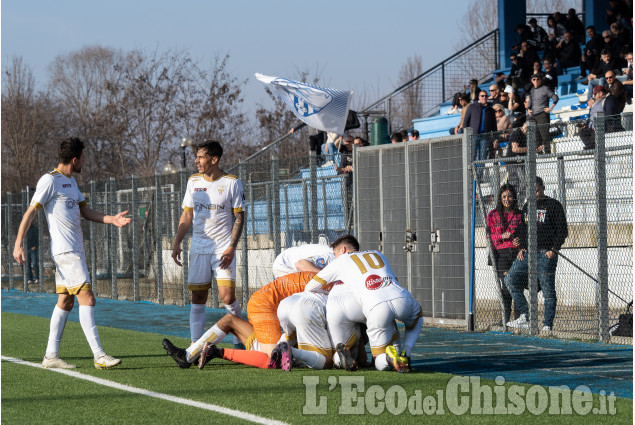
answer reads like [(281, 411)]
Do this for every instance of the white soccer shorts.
[(382, 328), (71, 273), (343, 315), (200, 269), (308, 316)]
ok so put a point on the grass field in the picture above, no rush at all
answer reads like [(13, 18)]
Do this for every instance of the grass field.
[(38, 396)]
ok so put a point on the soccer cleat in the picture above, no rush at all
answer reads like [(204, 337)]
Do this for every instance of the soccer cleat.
[(209, 352), (178, 354), (403, 354), (56, 363), (286, 362), (106, 362), (520, 323), (399, 363), (275, 360), (347, 361)]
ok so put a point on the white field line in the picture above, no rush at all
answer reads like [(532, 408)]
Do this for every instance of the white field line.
[(118, 386)]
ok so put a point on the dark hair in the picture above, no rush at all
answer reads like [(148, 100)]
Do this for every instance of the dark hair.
[(397, 137), (474, 81), (70, 148), (415, 133), (463, 96), (539, 181), (404, 134), (212, 147), (499, 202), (591, 27), (348, 240), (513, 55), (605, 52)]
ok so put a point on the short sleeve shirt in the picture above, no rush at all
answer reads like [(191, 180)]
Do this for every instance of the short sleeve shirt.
[(213, 204), (319, 255), (61, 199)]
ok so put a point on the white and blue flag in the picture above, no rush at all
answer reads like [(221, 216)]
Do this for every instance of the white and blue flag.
[(318, 107)]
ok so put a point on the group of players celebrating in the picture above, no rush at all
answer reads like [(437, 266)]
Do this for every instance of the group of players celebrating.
[(329, 300)]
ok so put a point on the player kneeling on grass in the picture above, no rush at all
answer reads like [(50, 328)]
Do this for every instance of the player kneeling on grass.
[(375, 288), (261, 334)]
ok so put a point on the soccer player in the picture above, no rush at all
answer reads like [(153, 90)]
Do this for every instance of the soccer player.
[(64, 205), (213, 206), (375, 287), (261, 334), (303, 258)]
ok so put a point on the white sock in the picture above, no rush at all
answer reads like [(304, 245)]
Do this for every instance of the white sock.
[(197, 321), (214, 335), (58, 322), (87, 320), (336, 361), (410, 336), (310, 358), (234, 309), (381, 362)]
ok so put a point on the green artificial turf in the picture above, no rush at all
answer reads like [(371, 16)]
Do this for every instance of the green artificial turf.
[(34, 396)]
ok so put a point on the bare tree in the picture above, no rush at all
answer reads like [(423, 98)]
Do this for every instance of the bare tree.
[(410, 102), (28, 128)]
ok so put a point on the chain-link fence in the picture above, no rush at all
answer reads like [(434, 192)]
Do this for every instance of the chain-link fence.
[(288, 202), (590, 173)]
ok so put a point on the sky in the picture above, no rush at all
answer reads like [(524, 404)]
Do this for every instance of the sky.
[(352, 45)]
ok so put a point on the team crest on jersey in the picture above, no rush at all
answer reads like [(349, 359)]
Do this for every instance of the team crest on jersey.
[(221, 189), (200, 189), (70, 204), (320, 262), (375, 282)]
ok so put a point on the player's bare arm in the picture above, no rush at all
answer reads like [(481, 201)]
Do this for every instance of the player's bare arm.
[(237, 230), (118, 220), (184, 225), (27, 219), (306, 266)]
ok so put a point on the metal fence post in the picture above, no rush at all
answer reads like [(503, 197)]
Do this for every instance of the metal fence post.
[(242, 174), (114, 233), (532, 248), (26, 265), (10, 235), (313, 188), (287, 225), (600, 196), (135, 240), (275, 199), (158, 226), (185, 293), (305, 206), (562, 184), (324, 206), (269, 211), (92, 229), (467, 225)]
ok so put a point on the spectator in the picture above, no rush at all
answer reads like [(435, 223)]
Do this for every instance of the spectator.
[(457, 96), (404, 135), (528, 53), (516, 105), (610, 44), (574, 25), (396, 138), (32, 243), (330, 148), (465, 99), (587, 130), (539, 111), (481, 119), (346, 156), (628, 83), (316, 139), (503, 123), (621, 37), (504, 98), (555, 31), (494, 95), (552, 232), (517, 147), (524, 33), (550, 75), (605, 64), (502, 223), (568, 52), (414, 135), (591, 52), (616, 89), (539, 36), (519, 73)]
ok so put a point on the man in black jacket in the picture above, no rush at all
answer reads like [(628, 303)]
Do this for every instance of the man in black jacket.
[(552, 232), (480, 117)]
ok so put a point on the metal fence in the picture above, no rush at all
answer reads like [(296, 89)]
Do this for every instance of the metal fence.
[(288, 202), (594, 275)]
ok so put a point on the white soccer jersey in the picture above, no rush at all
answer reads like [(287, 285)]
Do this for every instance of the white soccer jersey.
[(214, 204), (61, 199), (319, 255), (369, 275)]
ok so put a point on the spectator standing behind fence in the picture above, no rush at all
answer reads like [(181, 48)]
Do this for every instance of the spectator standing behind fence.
[(587, 129), (574, 25), (550, 75), (516, 169), (520, 72), (502, 223), (329, 149), (539, 111), (396, 137), (568, 52), (33, 272), (464, 101), (503, 123), (539, 36), (481, 119), (414, 135), (213, 206), (64, 206), (591, 53), (552, 232)]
